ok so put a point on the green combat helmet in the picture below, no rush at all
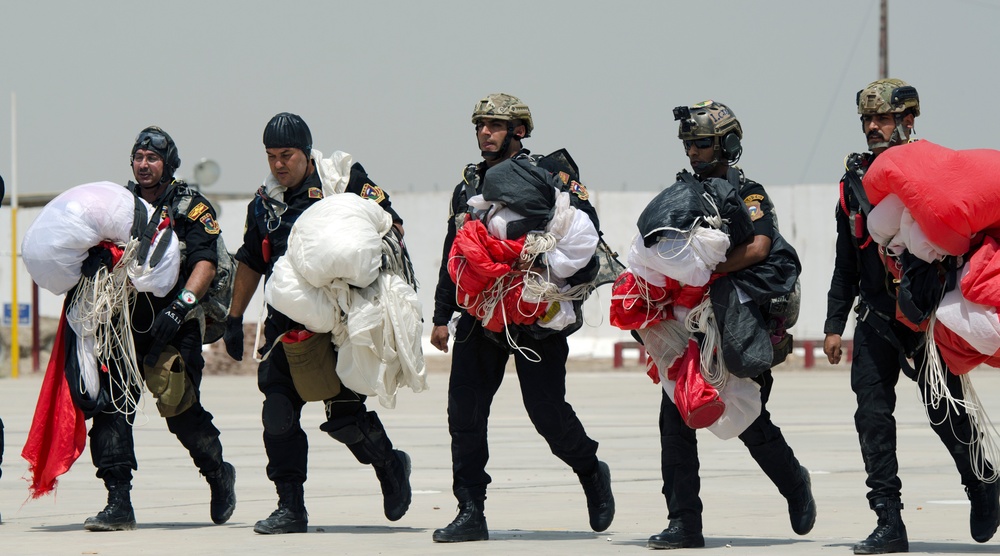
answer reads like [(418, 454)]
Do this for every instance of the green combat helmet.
[(888, 96), (501, 106), (710, 119)]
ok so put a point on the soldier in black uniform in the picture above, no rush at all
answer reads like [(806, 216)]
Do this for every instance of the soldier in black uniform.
[(163, 324), (270, 217), (477, 366), (882, 344), (711, 135)]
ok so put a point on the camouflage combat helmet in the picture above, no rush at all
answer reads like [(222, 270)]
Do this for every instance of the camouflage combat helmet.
[(888, 96), (706, 119), (501, 106)]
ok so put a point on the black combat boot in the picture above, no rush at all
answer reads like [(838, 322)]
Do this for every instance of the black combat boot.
[(677, 535), (469, 525), (118, 515), (366, 438), (291, 515), (223, 484), (600, 501), (890, 533), (985, 514), (802, 506), (394, 478)]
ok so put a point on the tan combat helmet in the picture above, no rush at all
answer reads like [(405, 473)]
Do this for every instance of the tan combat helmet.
[(711, 119), (501, 106), (888, 96)]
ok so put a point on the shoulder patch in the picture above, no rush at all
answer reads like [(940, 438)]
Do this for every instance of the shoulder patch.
[(563, 177), (751, 198), (579, 190), (373, 192), (315, 193), (211, 226), (194, 213)]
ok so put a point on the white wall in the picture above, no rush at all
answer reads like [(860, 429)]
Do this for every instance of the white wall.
[(805, 214)]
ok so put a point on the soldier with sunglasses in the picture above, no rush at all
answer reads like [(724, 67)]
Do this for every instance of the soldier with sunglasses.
[(712, 136), (882, 344), (168, 335)]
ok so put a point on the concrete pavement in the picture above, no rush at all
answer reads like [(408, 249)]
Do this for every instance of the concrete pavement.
[(535, 504)]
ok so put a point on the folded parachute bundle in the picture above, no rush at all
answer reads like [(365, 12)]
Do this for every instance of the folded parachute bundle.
[(667, 296), (952, 237), (94, 327), (332, 279), (526, 220)]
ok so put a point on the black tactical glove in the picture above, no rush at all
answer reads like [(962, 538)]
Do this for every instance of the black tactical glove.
[(97, 256), (233, 336), (167, 323)]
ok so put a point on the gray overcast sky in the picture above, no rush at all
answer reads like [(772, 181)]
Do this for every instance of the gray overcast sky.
[(394, 82)]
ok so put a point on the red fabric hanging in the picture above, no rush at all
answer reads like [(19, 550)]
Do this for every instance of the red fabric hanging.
[(697, 401), (58, 431)]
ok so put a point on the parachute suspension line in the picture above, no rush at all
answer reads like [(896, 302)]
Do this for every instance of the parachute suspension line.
[(984, 446), (536, 244), (702, 319), (100, 307)]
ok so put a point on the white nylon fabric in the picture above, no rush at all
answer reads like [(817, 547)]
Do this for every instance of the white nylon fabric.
[(56, 243), (339, 238), (688, 257), (892, 225), (384, 351), (329, 280), (977, 324)]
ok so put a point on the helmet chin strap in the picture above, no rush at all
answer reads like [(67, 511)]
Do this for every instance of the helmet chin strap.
[(899, 136)]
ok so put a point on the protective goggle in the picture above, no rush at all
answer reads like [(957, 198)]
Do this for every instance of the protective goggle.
[(701, 143), (151, 139)]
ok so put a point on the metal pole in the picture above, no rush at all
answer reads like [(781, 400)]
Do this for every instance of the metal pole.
[(35, 329), (883, 40), (15, 348)]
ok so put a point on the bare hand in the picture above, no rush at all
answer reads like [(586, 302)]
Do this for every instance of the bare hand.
[(439, 338), (832, 348)]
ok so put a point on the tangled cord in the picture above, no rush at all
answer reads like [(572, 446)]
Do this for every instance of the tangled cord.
[(984, 446), (100, 310), (701, 319)]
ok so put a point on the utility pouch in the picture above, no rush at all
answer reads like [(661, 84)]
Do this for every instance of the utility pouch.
[(169, 384), (312, 363)]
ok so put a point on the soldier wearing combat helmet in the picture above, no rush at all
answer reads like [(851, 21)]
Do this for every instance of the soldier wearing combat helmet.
[(883, 345), (480, 356)]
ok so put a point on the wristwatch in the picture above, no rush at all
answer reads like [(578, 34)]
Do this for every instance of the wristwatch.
[(188, 298)]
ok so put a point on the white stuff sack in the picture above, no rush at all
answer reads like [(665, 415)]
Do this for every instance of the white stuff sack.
[(56, 243), (339, 238)]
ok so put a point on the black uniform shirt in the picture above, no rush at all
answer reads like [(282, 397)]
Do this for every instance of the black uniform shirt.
[(858, 269)]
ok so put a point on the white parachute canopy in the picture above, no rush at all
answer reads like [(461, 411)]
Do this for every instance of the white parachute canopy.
[(56, 243)]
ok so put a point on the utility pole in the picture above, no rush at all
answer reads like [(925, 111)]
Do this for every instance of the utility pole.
[(883, 40)]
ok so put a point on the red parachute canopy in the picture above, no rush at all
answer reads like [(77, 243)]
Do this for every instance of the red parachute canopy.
[(953, 195)]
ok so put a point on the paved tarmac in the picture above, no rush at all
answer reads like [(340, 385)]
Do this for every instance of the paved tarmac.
[(535, 504)]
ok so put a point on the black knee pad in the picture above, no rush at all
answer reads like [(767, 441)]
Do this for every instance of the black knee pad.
[(348, 429), (278, 415)]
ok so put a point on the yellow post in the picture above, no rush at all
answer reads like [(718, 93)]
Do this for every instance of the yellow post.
[(15, 346)]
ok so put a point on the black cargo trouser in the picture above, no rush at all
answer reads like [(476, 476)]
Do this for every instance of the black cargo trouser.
[(477, 370), (875, 369)]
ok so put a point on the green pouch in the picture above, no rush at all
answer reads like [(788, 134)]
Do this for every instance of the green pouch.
[(312, 363), (169, 384)]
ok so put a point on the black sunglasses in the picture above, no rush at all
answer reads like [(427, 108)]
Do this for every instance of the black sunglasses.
[(701, 143)]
